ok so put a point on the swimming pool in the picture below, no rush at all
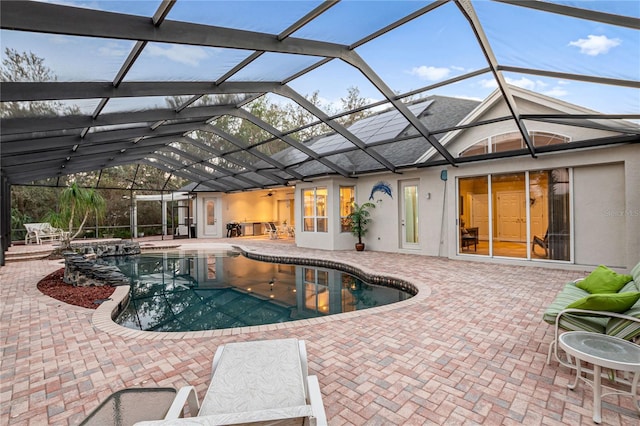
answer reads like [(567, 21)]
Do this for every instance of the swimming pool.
[(194, 291)]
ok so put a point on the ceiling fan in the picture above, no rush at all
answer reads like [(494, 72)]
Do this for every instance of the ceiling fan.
[(271, 193)]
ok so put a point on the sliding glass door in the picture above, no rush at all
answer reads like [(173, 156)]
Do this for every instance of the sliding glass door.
[(522, 215)]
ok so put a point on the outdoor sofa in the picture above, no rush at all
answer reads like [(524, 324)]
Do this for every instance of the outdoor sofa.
[(38, 232), (603, 302)]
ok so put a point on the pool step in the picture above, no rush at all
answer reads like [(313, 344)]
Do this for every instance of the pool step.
[(27, 255)]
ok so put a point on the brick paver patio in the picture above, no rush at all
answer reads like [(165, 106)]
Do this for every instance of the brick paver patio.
[(469, 349)]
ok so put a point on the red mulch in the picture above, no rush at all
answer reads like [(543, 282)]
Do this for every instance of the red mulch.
[(52, 285)]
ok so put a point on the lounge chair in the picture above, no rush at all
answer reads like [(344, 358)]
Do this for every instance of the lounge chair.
[(271, 229), (258, 382)]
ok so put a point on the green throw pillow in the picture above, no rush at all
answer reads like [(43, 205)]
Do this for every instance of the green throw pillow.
[(612, 302), (603, 280)]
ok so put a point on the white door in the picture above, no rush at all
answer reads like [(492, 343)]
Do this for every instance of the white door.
[(511, 216), (409, 215), (210, 219), (479, 215)]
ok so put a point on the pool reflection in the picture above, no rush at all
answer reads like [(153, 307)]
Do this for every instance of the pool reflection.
[(192, 291)]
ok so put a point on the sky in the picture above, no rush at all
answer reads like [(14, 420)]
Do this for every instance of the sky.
[(432, 48)]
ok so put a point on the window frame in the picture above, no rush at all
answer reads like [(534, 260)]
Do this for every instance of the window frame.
[(313, 196)]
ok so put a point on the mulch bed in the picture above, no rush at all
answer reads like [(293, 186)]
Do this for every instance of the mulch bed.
[(88, 297)]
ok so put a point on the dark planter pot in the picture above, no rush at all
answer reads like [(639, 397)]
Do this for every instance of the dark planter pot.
[(359, 246)]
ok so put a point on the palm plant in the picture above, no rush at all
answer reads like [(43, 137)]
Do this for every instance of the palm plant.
[(360, 218), (76, 205)]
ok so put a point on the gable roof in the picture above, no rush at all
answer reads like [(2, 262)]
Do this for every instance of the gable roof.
[(552, 105)]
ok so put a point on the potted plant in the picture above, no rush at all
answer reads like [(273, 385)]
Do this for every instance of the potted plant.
[(360, 218)]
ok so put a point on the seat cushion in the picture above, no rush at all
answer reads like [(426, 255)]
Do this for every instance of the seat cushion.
[(604, 280), (570, 322)]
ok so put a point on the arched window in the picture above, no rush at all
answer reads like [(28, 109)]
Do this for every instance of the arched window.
[(512, 141)]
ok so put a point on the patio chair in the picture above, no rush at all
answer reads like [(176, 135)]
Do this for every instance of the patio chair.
[(542, 242), (469, 237), (271, 229), (258, 382)]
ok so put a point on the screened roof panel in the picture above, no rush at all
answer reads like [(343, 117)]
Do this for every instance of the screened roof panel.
[(71, 58), (240, 95), (346, 30), (549, 41), (332, 142), (436, 46), (211, 140), (220, 99), (313, 168), (193, 150), (141, 8), (261, 179), (178, 62), (331, 90), (603, 98), (274, 67), (226, 164), (270, 17), (620, 7), (136, 104)]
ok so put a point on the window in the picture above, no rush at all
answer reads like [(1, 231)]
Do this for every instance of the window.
[(347, 197), (512, 141), (315, 210)]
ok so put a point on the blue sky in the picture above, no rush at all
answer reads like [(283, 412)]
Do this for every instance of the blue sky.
[(432, 48)]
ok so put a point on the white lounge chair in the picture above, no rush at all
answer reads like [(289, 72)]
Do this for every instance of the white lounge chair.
[(271, 229), (259, 382)]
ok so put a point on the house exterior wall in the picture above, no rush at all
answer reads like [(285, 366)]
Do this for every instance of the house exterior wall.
[(604, 195)]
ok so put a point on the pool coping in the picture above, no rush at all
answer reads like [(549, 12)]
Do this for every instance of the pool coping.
[(103, 317)]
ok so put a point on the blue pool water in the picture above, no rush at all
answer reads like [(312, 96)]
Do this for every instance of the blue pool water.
[(193, 291)]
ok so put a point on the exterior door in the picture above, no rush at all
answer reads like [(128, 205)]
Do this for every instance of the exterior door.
[(409, 215), (210, 219)]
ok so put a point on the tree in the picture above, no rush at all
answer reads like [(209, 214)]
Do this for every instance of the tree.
[(76, 204), (27, 67), (352, 101)]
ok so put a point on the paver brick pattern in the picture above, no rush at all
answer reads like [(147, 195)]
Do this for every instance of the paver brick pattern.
[(470, 349)]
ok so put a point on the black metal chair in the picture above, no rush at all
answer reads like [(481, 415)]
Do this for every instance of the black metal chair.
[(542, 242)]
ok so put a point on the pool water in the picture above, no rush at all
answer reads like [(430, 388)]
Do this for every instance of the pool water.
[(193, 291)]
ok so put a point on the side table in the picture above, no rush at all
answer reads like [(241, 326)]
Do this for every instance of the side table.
[(128, 406), (603, 352)]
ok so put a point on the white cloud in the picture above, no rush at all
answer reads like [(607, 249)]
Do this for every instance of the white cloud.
[(488, 84), (113, 49), (430, 73), (189, 55), (595, 45), (535, 86), (556, 92)]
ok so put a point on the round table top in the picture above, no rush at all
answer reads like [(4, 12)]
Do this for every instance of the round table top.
[(603, 350)]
